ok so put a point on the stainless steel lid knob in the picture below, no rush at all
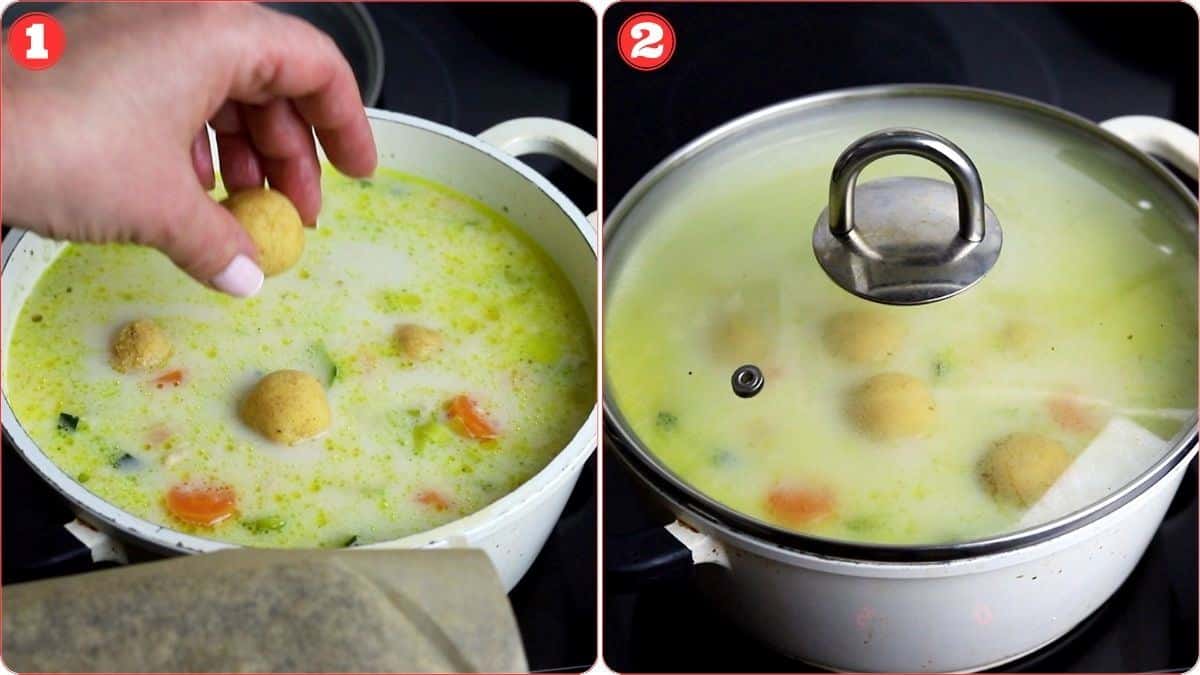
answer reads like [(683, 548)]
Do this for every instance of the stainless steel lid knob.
[(906, 241), (747, 381)]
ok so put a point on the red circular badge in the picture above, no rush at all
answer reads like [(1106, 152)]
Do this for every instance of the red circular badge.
[(36, 41), (646, 41)]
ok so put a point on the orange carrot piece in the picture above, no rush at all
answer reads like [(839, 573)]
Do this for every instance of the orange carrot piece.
[(433, 498), (1073, 415), (173, 378), (158, 434), (468, 420), (201, 504), (799, 505)]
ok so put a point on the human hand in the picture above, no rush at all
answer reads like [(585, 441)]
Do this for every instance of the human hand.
[(110, 144)]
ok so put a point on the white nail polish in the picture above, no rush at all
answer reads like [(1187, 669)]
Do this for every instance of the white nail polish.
[(241, 278)]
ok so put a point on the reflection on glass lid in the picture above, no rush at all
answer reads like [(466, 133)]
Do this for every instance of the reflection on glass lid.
[(1051, 383)]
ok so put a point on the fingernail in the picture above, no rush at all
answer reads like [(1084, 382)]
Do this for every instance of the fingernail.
[(241, 278)]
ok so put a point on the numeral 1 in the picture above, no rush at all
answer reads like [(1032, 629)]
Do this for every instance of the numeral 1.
[(36, 33)]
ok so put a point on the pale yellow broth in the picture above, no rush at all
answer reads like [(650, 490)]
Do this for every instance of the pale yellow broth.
[(1095, 266), (389, 251)]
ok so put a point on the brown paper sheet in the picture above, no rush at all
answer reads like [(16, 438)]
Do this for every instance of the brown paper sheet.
[(273, 611)]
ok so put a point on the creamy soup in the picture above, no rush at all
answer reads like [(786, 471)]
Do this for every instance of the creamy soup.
[(1089, 315), (393, 251)]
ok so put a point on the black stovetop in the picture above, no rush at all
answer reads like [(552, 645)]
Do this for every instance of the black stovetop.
[(1097, 61), (469, 66)]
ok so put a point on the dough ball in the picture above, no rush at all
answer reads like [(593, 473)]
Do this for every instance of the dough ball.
[(1020, 467), (140, 345), (744, 322), (737, 337), (863, 336), (1018, 337), (892, 406), (418, 342), (287, 406), (274, 225)]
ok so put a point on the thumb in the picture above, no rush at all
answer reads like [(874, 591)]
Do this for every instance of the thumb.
[(206, 241)]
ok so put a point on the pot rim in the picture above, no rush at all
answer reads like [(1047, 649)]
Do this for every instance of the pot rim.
[(459, 532), (666, 483)]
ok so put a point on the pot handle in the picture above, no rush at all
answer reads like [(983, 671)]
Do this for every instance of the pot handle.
[(1174, 143), (101, 546), (72, 548), (665, 553), (545, 136), (704, 549)]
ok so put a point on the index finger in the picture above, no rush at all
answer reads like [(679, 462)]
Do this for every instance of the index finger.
[(286, 57)]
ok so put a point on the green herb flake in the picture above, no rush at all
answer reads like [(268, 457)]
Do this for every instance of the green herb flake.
[(867, 523), (352, 541), (68, 422), (327, 363), (666, 420), (396, 301), (264, 524), (941, 368), (126, 462), (431, 434), (722, 457)]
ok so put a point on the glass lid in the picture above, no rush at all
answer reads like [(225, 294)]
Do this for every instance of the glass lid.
[(816, 399)]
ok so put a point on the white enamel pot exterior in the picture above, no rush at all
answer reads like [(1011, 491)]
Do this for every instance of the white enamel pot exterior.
[(968, 613), (964, 615), (511, 530)]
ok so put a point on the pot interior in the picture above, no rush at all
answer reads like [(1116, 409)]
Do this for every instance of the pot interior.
[(1065, 374), (458, 161), (555, 247)]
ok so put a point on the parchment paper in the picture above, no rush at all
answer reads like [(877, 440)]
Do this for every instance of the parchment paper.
[(1115, 456), (275, 611)]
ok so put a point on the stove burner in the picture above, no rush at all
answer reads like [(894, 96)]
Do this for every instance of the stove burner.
[(417, 78), (799, 55)]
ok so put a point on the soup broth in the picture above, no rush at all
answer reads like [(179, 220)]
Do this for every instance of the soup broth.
[(392, 251), (1089, 314)]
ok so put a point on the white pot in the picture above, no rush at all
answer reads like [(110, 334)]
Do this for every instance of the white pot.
[(968, 610), (962, 615), (512, 529)]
